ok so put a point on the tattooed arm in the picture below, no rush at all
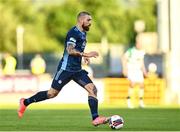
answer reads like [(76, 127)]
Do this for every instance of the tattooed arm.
[(72, 51)]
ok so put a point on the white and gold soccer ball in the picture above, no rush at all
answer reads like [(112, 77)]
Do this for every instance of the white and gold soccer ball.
[(116, 122)]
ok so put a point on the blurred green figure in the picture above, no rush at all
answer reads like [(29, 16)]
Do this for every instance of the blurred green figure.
[(38, 65), (134, 69), (10, 64)]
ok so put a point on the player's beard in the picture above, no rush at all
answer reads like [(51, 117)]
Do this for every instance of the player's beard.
[(86, 28)]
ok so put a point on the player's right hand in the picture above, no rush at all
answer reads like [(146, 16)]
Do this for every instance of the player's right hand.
[(125, 73)]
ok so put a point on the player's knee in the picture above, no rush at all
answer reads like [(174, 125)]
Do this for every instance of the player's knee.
[(51, 94), (131, 85), (142, 86), (93, 90)]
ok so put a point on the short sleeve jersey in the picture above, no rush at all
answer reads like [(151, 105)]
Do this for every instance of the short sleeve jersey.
[(135, 58), (78, 39)]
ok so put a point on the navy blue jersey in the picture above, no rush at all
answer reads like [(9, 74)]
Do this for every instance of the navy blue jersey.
[(78, 39)]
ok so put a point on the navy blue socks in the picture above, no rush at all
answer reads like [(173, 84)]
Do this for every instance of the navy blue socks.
[(40, 96), (93, 105)]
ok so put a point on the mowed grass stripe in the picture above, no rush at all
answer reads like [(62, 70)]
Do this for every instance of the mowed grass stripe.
[(80, 120)]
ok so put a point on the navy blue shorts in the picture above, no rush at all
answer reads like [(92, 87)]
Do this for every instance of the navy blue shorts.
[(62, 77)]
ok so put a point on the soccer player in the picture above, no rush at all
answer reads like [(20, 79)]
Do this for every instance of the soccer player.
[(134, 69), (69, 68)]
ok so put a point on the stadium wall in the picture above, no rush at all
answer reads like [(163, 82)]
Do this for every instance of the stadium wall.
[(111, 91)]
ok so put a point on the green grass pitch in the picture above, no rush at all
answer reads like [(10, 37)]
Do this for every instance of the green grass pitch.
[(149, 119)]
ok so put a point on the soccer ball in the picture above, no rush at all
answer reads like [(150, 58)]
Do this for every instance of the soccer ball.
[(116, 122)]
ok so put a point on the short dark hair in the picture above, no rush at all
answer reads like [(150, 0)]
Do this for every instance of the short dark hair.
[(82, 13)]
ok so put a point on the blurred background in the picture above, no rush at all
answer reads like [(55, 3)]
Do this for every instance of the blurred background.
[(32, 34)]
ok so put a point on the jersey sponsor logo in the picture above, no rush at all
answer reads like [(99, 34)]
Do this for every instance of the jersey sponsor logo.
[(72, 39)]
